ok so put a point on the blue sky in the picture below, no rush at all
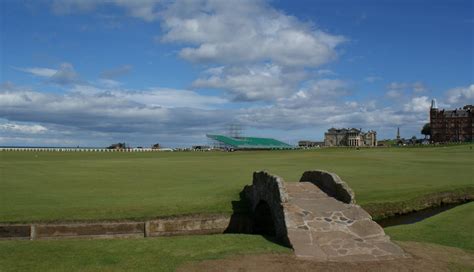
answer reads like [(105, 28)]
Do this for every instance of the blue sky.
[(94, 72)]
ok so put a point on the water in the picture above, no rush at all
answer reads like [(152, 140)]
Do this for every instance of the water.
[(414, 217)]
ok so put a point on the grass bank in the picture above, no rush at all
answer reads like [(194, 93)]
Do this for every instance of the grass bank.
[(450, 228), (42, 186), (152, 254)]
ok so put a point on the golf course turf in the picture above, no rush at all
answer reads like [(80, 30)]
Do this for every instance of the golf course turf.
[(56, 186)]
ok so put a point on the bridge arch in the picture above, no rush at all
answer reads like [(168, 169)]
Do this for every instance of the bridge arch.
[(264, 222)]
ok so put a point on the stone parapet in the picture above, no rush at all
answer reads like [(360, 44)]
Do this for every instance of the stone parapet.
[(331, 184)]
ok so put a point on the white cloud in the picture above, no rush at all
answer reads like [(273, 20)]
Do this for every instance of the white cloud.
[(109, 83), (325, 73), (396, 86), (94, 109), (245, 31), (461, 95), (394, 94), (22, 128), (153, 97), (419, 87), (38, 71), (317, 93), (418, 104), (266, 52), (65, 75), (416, 87), (258, 82)]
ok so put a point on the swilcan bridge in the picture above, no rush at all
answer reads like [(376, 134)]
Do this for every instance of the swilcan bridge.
[(318, 218)]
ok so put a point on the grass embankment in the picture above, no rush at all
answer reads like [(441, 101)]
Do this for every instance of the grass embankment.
[(152, 254), (450, 228), (43, 186)]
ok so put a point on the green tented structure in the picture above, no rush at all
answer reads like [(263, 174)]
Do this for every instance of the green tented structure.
[(247, 143)]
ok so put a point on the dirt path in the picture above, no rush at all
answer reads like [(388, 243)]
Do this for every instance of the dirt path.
[(425, 257)]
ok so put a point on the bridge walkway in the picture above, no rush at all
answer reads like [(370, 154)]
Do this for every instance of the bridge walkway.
[(323, 228)]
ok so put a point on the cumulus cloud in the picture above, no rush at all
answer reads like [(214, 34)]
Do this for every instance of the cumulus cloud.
[(246, 31), (22, 128), (265, 52), (93, 109), (317, 92), (461, 95), (359, 115), (418, 104), (258, 82)]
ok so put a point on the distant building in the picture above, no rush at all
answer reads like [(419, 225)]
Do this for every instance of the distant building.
[(451, 125), (350, 137)]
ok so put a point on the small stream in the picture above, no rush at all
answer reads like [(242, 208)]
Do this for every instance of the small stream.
[(417, 216)]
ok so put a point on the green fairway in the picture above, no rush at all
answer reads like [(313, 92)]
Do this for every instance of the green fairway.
[(449, 228), (45, 186), (152, 254)]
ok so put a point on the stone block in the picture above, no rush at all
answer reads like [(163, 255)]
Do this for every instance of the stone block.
[(44, 231), (181, 226)]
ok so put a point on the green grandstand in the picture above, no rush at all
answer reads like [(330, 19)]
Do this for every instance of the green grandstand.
[(247, 143)]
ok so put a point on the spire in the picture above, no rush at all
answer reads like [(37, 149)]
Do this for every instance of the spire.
[(434, 105), (398, 133)]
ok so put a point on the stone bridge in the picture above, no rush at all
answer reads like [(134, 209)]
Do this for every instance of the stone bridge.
[(318, 218)]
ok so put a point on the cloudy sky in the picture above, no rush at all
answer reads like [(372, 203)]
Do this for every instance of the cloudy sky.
[(95, 72)]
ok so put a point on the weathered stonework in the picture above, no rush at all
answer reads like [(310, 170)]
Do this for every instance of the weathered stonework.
[(271, 190), (89, 230), (331, 184), (179, 225), (187, 225), (318, 218)]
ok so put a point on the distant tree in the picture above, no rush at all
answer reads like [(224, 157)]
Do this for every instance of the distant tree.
[(426, 130), (155, 146)]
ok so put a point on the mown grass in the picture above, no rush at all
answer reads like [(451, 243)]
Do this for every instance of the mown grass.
[(449, 228), (151, 254), (42, 186)]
